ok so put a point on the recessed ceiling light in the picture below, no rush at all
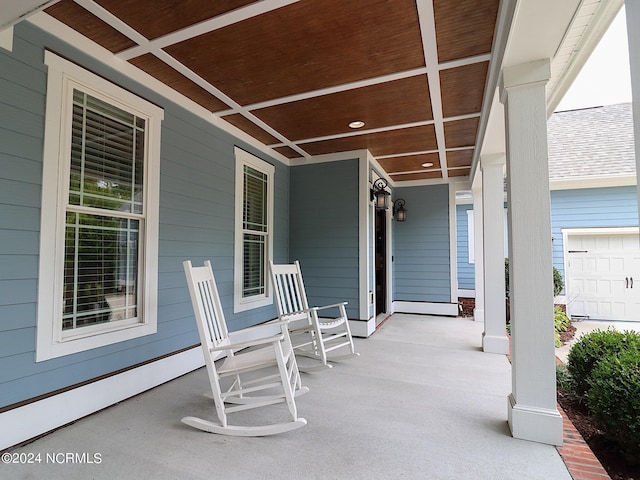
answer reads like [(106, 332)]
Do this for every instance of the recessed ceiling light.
[(356, 124), (427, 164)]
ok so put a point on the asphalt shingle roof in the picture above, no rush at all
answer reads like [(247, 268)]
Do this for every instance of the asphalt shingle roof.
[(591, 142)]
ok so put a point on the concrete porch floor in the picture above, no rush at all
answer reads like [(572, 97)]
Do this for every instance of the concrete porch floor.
[(421, 402)]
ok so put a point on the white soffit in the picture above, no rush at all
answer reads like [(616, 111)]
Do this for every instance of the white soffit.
[(565, 32), (590, 23), (14, 11)]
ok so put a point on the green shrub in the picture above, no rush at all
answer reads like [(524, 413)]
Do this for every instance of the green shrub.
[(564, 379), (593, 347), (613, 399), (558, 282), (506, 276), (561, 322)]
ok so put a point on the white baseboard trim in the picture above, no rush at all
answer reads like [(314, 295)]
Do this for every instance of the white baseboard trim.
[(426, 308), (34, 419), (362, 328)]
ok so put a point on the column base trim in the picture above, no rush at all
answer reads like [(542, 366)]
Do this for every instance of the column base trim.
[(495, 344), (535, 424), (478, 314)]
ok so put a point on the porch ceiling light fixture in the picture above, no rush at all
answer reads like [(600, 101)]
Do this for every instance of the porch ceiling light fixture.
[(356, 124), (399, 212), (380, 195)]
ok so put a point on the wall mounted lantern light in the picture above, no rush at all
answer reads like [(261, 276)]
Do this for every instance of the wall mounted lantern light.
[(380, 195), (399, 212)]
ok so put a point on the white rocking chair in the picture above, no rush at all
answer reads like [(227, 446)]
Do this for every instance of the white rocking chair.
[(312, 336), (269, 351)]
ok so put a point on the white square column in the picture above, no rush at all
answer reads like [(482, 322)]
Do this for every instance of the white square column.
[(478, 248), (532, 408), (632, 10), (494, 338)]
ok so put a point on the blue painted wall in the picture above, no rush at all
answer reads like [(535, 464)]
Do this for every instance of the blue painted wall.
[(580, 208), (196, 221), (590, 207), (466, 270), (324, 231), (421, 267)]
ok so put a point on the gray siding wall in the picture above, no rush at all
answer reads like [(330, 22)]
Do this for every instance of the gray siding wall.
[(590, 207), (466, 270), (421, 266), (324, 231), (196, 222)]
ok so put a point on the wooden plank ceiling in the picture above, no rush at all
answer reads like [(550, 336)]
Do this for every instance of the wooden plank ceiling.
[(294, 74)]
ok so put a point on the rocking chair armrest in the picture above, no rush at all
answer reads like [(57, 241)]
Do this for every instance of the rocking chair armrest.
[(312, 309), (270, 324), (341, 304), (248, 343)]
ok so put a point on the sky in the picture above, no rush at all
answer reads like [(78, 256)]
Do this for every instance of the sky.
[(605, 78)]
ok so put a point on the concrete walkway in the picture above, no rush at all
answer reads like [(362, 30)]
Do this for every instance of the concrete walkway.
[(421, 402)]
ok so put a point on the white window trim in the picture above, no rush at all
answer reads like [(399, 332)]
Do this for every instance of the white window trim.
[(243, 158), (471, 244), (63, 76)]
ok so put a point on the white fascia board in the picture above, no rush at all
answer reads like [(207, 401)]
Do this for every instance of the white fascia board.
[(593, 182), (12, 12), (6, 39)]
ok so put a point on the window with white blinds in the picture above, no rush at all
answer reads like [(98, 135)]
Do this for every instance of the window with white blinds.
[(99, 227), (254, 207), (104, 214), (254, 232)]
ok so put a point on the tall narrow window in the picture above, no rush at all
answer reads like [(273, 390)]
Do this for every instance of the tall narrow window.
[(254, 213), (98, 258), (103, 214)]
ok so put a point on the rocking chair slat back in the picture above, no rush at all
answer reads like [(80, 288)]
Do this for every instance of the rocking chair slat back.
[(268, 352), (290, 293), (209, 309), (311, 334)]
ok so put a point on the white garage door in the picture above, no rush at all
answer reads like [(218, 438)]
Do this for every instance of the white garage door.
[(603, 275)]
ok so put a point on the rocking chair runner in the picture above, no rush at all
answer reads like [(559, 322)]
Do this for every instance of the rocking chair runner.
[(312, 336), (269, 351)]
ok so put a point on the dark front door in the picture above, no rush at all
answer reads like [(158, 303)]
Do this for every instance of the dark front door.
[(381, 261)]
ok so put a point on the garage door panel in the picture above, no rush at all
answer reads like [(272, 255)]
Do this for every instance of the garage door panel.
[(617, 264), (601, 270), (591, 308), (616, 288), (603, 265)]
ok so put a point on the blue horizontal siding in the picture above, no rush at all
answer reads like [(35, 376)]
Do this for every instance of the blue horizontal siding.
[(579, 208), (590, 208), (324, 231), (196, 211), (421, 266)]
